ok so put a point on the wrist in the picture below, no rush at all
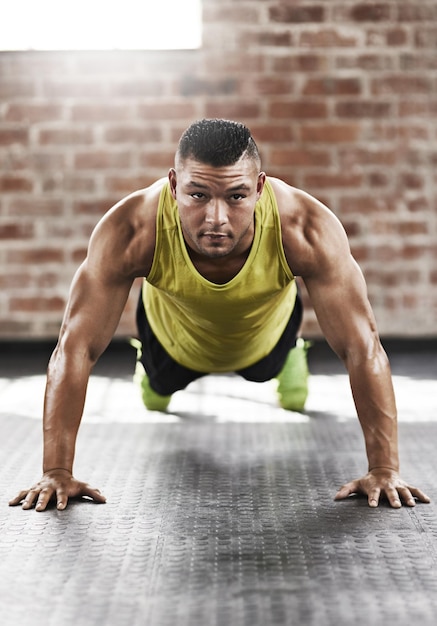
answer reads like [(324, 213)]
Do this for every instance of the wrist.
[(57, 469), (384, 467)]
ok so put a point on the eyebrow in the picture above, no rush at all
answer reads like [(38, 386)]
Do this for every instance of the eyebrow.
[(242, 187)]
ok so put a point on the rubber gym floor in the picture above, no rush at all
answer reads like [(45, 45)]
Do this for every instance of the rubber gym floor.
[(219, 512)]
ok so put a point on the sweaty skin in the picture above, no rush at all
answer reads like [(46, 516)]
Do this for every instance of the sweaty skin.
[(216, 208)]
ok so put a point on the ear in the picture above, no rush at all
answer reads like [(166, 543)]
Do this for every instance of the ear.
[(172, 181), (260, 184)]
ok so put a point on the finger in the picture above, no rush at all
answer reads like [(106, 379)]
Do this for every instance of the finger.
[(61, 499), (43, 499), (406, 496), (29, 500), (346, 490), (94, 494), (373, 497), (17, 500), (393, 497), (417, 493)]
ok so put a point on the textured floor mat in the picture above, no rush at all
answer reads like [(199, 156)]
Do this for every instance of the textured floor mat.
[(220, 513), (217, 524)]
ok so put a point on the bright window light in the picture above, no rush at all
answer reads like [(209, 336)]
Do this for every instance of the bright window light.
[(100, 24)]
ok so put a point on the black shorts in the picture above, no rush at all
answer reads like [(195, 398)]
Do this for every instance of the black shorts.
[(167, 376)]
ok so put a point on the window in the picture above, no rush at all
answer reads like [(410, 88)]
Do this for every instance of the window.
[(100, 24)]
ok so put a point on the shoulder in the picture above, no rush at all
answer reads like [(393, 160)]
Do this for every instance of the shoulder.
[(312, 235), (125, 236)]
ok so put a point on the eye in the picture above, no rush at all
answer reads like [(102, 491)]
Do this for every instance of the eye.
[(198, 195), (237, 196)]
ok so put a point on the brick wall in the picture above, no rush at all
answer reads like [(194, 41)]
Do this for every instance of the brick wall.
[(341, 96)]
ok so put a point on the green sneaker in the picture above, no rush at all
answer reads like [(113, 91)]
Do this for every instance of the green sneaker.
[(152, 401), (293, 378)]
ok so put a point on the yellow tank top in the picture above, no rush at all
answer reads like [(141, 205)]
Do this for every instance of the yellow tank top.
[(211, 327)]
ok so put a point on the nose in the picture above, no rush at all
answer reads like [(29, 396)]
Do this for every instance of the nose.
[(216, 213)]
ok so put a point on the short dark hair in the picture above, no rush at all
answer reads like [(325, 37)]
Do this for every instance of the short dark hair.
[(217, 142)]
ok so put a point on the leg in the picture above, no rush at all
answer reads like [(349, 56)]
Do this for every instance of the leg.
[(270, 366), (163, 375), (287, 362)]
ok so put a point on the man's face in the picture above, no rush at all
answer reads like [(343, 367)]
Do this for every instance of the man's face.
[(216, 205)]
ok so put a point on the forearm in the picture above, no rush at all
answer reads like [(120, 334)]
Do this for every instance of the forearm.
[(67, 381), (373, 394)]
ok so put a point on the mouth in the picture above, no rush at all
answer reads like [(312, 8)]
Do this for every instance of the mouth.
[(214, 235)]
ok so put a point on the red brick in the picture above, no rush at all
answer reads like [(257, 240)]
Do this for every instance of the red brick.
[(366, 204), (411, 61), (11, 183), (77, 182), (10, 136), (369, 62), (411, 180), (133, 134), (267, 86), (36, 255), (16, 230), (330, 133), (76, 88), (33, 112), (418, 205), (197, 86), (299, 63), (136, 88), (35, 206), (236, 110), (66, 136), (371, 12), (300, 110), (367, 156), (16, 280), (417, 12), (363, 109), (333, 180), (378, 179), (126, 184), (297, 14), (100, 159), (397, 36), (13, 328), (401, 85), (272, 134), (299, 157), (383, 131), (410, 252), (38, 303), (16, 89), (327, 38), (96, 206), (100, 112), (426, 37), (225, 13), (414, 108), (217, 63), (413, 228), (167, 110), (329, 86), (266, 38), (157, 158), (46, 279)]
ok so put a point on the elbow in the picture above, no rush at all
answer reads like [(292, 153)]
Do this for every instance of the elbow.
[(71, 351), (365, 351)]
